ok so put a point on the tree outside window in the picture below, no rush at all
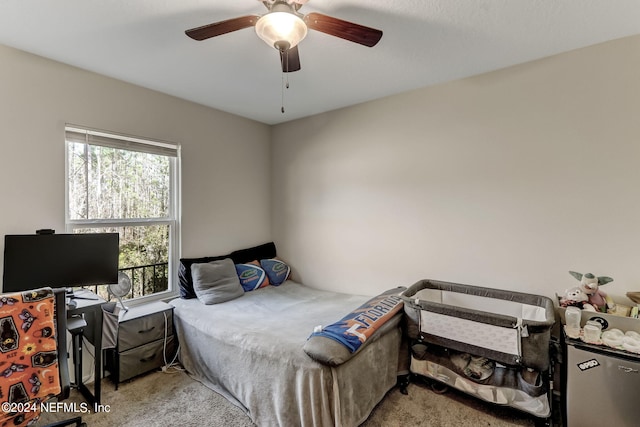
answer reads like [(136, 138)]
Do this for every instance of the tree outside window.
[(128, 186)]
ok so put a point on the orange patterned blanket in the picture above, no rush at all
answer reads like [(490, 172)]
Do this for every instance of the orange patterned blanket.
[(28, 354)]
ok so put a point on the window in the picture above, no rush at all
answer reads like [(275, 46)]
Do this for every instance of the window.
[(129, 186)]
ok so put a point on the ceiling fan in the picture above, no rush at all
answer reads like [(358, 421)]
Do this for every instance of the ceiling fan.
[(283, 27)]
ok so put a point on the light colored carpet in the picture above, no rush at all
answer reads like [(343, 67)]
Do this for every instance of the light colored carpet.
[(164, 400)]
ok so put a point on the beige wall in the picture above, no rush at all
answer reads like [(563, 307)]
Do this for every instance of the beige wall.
[(506, 180), (225, 168)]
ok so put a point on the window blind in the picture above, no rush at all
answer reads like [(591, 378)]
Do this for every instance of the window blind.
[(93, 137)]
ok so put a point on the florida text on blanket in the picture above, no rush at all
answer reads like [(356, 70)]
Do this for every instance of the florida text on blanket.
[(356, 327)]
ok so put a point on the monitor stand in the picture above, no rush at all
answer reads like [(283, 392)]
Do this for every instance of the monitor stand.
[(80, 295)]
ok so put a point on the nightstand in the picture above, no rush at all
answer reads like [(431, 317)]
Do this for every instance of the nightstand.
[(145, 341)]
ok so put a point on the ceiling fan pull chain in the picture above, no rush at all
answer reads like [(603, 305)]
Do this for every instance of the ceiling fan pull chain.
[(287, 56), (284, 84), (282, 94)]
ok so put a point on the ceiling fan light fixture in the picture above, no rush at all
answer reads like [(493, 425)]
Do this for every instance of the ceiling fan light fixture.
[(281, 28)]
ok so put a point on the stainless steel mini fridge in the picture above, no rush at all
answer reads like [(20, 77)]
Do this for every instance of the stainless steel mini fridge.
[(602, 386)]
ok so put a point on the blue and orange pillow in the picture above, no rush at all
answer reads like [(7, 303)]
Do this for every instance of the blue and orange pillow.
[(255, 275), (277, 270), (252, 276)]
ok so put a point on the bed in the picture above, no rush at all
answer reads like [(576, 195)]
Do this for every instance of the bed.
[(250, 350)]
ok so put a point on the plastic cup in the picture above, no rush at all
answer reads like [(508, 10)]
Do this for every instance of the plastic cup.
[(592, 333), (572, 316)]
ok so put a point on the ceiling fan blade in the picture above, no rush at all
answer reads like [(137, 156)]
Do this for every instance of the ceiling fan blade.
[(290, 60), (345, 30), (222, 27)]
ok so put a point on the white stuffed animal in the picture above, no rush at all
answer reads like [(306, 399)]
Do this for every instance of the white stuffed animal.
[(576, 297), (590, 284)]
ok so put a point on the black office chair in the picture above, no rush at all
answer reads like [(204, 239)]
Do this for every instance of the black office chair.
[(33, 355)]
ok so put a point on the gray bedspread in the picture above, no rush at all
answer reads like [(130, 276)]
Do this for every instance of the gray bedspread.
[(250, 351)]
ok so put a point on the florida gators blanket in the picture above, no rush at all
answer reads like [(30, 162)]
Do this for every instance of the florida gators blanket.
[(356, 327)]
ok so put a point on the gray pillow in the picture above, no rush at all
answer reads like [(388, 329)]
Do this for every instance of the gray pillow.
[(216, 281)]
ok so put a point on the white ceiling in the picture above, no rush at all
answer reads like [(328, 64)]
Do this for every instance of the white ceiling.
[(425, 42)]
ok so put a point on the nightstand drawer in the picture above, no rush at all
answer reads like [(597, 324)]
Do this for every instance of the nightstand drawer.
[(144, 358), (142, 330)]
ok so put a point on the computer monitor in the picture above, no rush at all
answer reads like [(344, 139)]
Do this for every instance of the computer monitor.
[(59, 260)]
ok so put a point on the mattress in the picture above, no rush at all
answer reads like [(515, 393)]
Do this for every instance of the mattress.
[(250, 351)]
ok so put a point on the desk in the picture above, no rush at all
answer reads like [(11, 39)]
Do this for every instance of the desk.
[(92, 311)]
